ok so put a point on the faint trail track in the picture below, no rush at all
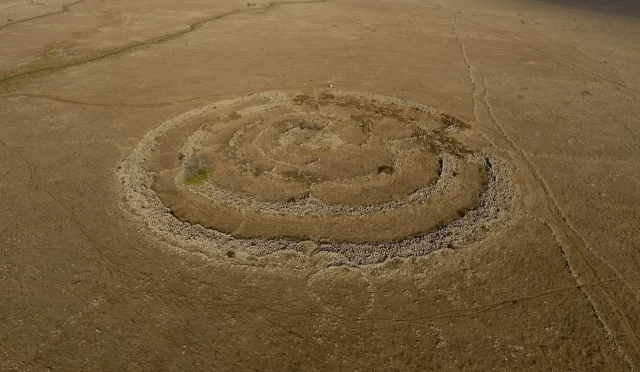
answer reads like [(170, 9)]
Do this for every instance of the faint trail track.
[(288, 308), (156, 40), (577, 248), (476, 90), (629, 90), (65, 9), (550, 195), (559, 211), (449, 314), (592, 305)]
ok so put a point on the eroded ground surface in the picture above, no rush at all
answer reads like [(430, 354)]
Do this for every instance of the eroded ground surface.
[(490, 151)]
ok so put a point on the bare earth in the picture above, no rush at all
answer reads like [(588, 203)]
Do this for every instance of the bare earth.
[(332, 185)]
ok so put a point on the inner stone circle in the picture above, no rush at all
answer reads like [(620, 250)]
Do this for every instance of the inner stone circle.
[(360, 177)]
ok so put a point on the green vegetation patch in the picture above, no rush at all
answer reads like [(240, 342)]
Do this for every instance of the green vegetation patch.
[(196, 172)]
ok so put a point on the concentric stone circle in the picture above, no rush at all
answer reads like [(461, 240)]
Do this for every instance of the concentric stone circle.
[(358, 177)]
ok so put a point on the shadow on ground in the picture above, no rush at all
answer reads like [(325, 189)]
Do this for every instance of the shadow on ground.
[(618, 7)]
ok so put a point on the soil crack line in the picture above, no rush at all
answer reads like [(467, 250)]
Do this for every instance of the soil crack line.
[(49, 97), (149, 42), (65, 9)]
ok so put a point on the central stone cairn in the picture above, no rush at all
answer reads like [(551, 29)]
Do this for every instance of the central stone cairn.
[(359, 177)]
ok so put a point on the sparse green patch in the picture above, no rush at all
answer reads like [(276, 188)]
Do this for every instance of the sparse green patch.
[(196, 172)]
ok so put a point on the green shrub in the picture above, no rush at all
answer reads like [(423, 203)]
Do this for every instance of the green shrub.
[(196, 171)]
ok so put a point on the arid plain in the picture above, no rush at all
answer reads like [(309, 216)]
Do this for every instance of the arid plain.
[(332, 185)]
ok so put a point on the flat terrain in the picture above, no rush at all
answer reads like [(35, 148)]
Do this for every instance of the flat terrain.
[(332, 185)]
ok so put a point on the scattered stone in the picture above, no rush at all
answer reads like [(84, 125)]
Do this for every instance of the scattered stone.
[(139, 181)]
